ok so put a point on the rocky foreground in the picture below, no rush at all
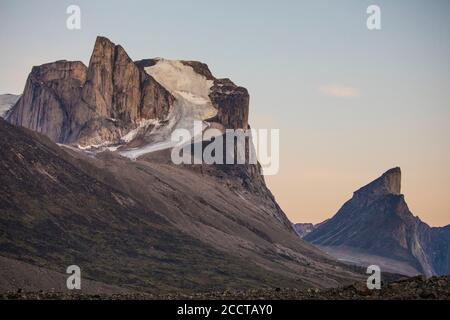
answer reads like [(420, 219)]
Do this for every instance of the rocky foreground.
[(416, 288)]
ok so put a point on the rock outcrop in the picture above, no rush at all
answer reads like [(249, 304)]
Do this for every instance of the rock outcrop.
[(51, 92), (98, 105), (377, 227), (232, 104), (70, 102), (388, 183), (230, 100)]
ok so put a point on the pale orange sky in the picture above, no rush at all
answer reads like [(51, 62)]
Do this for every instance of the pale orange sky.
[(313, 195), (320, 171)]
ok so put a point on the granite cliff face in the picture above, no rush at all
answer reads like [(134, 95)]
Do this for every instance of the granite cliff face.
[(377, 227), (72, 103), (388, 183), (51, 92)]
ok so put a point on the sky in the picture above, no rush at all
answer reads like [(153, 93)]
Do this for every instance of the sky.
[(350, 102)]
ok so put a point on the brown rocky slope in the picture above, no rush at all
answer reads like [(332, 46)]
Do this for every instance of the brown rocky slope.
[(142, 226)]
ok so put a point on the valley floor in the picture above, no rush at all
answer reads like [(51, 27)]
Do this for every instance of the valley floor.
[(415, 288)]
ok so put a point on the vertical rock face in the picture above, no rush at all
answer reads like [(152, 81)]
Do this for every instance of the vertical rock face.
[(113, 85), (99, 87), (154, 105), (388, 183), (71, 103), (232, 104), (127, 87), (51, 93), (377, 227)]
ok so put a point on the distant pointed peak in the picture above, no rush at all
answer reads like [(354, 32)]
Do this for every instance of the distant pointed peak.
[(388, 183), (395, 170)]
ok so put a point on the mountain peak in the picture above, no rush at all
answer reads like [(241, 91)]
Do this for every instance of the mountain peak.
[(388, 183), (377, 227)]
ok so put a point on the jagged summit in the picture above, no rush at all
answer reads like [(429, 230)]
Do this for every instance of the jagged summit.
[(90, 106), (388, 183)]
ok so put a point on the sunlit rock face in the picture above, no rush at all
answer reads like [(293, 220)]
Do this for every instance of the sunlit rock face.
[(94, 105)]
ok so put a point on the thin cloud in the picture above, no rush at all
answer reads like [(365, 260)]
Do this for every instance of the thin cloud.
[(340, 91)]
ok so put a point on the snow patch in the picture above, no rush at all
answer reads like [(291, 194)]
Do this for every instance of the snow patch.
[(192, 103), (190, 97), (114, 145), (143, 124), (177, 77), (95, 146)]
